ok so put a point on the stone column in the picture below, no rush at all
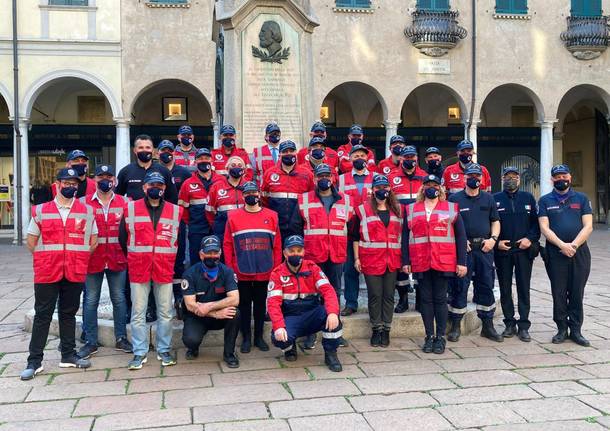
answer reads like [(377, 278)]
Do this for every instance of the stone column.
[(546, 155), (472, 137), (24, 124), (391, 129), (215, 133), (122, 157), (557, 147)]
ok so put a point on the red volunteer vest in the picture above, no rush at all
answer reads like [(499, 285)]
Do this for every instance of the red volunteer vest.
[(62, 250), (432, 242), (151, 254), (379, 246), (185, 158), (264, 160), (108, 253), (387, 165), (348, 186), (325, 233), (220, 159)]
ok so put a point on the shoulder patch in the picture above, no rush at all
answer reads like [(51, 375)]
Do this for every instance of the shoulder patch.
[(270, 286), (184, 284)]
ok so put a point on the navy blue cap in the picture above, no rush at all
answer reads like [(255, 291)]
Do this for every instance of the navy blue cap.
[(397, 138), (185, 130), (249, 187), (409, 150), (165, 144), (203, 152), (318, 126), (272, 127), (322, 169), (356, 129), (560, 169), (432, 179), (294, 241), (227, 129), (316, 140), (104, 170), (380, 180), (210, 244), (473, 168), (465, 145), (287, 145), (154, 177), (67, 174), (509, 169), (358, 148), (432, 150), (75, 155)]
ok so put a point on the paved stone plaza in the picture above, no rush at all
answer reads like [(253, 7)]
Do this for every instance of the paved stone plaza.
[(476, 384)]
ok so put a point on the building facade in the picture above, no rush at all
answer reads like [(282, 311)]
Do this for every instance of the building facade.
[(531, 88)]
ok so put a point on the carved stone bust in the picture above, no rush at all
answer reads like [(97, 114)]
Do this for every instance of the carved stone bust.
[(270, 37)]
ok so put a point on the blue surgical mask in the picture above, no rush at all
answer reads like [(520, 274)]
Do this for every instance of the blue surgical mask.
[(409, 164), (289, 159), (431, 192), (68, 192), (317, 153), (236, 172), (105, 185), (274, 139), (473, 183), (154, 193), (359, 164), (80, 169), (324, 184), (295, 260), (185, 141), (396, 150), (355, 141), (465, 158), (166, 157), (228, 142)]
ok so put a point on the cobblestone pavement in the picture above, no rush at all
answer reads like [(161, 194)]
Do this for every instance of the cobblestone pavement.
[(476, 384)]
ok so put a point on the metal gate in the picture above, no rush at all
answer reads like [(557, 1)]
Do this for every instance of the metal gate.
[(530, 173)]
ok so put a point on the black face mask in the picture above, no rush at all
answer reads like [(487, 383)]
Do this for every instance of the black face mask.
[(236, 172), (465, 158), (204, 166), (396, 150), (274, 139), (295, 260), (154, 193), (228, 142), (104, 185), (324, 184), (211, 262), (510, 184), (359, 164), (68, 192), (251, 200), (289, 159), (355, 141), (473, 183), (80, 169), (561, 185), (434, 164), (431, 192), (381, 194), (409, 164), (166, 157), (144, 156), (185, 141), (317, 153)]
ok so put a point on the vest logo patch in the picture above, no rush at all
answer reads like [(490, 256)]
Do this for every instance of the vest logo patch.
[(386, 170), (218, 156), (275, 177), (397, 180), (184, 284), (340, 153), (194, 186), (285, 278), (270, 286), (222, 192), (455, 176)]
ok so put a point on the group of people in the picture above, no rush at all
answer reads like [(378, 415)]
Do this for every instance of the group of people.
[(222, 238)]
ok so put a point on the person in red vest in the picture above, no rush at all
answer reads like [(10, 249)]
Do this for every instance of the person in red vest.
[(357, 185), (78, 161), (317, 155), (265, 157), (433, 250), (194, 196), (225, 196), (282, 186), (453, 175), (392, 162), (376, 232), (185, 152), (295, 309), (148, 235), (61, 236), (318, 132), (228, 149), (406, 182), (324, 216), (108, 259), (252, 248), (355, 137)]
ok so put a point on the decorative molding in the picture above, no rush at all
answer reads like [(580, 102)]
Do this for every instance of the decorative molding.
[(514, 16), (155, 5), (365, 10)]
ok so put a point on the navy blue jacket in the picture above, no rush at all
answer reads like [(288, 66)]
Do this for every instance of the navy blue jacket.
[(517, 216)]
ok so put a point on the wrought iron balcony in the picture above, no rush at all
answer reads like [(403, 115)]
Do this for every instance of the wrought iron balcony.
[(435, 32), (587, 36)]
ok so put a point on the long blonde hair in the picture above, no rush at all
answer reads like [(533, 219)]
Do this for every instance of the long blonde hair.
[(421, 197), (391, 202)]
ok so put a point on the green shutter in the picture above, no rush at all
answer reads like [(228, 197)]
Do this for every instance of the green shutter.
[(586, 8), (433, 4), (69, 2), (353, 3), (511, 6), (168, 1)]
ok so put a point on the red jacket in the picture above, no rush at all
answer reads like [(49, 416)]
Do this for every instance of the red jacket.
[(325, 233), (220, 159), (193, 197), (387, 165), (348, 186), (432, 242), (62, 250), (310, 168), (453, 179), (91, 187), (285, 287), (345, 165), (151, 254), (406, 187), (222, 198), (252, 243), (263, 160), (185, 158), (331, 158), (379, 246), (108, 253)]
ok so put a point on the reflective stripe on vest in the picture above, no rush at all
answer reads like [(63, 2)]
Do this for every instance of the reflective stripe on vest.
[(241, 232), (198, 201), (292, 296), (282, 195)]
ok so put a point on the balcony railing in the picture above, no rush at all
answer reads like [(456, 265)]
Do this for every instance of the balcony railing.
[(587, 36), (435, 32)]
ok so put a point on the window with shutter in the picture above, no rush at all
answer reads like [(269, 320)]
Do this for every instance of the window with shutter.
[(68, 2), (586, 8), (353, 3), (511, 6), (433, 5)]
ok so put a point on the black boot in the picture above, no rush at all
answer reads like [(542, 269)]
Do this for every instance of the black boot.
[(428, 344), (385, 338), (455, 330), (561, 335), (291, 355), (332, 362), (578, 338), (376, 338), (488, 331), (246, 344), (403, 301), (261, 344), (510, 330)]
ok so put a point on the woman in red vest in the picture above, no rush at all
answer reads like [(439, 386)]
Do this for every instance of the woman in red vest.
[(433, 249), (376, 230)]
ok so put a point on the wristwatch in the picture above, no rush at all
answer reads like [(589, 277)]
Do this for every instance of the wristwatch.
[(495, 238)]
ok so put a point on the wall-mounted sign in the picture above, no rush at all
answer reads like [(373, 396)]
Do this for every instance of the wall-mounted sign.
[(434, 66), (5, 194)]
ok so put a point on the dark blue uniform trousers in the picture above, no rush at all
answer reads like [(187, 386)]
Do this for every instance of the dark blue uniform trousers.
[(308, 323), (480, 269)]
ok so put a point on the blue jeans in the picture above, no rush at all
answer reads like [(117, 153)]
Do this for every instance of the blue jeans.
[(165, 312), (91, 301), (351, 279)]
